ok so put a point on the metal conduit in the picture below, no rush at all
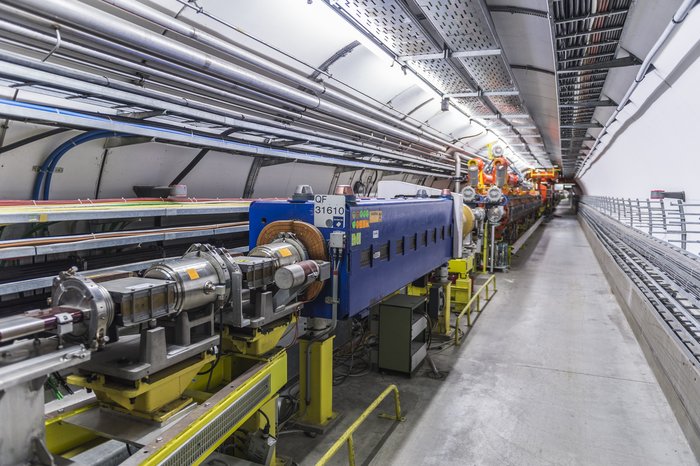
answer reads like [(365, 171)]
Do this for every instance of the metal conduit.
[(57, 75), (32, 112), (224, 91), (95, 21), (169, 23), (45, 172)]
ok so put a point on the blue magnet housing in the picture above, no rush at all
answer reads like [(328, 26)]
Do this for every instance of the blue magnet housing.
[(389, 244)]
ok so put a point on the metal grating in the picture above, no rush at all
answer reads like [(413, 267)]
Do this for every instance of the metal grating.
[(489, 72), (475, 106), (442, 74), (584, 34), (436, 27), (507, 104), (199, 443), (461, 23), (389, 22)]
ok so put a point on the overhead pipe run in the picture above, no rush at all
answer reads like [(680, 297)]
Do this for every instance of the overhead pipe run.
[(34, 35), (99, 23), (172, 24), (178, 72), (41, 114), (57, 75)]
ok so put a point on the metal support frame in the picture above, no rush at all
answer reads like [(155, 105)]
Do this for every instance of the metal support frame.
[(604, 14), (604, 65), (341, 53), (252, 177), (449, 54), (518, 10), (598, 103), (593, 124), (346, 437), (318, 413), (476, 298), (589, 33), (482, 94)]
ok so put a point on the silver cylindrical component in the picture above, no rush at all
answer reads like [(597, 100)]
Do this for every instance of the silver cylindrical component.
[(495, 214), (193, 276), (285, 251), (291, 276), (494, 194), (19, 326), (501, 173), (469, 194)]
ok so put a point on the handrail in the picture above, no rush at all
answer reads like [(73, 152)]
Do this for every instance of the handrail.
[(347, 435), (468, 307)]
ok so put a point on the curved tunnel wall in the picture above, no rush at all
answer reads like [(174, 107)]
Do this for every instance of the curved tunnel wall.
[(655, 146)]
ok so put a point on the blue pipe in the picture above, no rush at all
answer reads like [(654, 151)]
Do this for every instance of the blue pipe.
[(49, 165)]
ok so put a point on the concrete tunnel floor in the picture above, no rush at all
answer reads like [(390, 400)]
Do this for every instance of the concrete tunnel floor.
[(550, 374)]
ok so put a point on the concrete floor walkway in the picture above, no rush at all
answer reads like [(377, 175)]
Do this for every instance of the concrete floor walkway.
[(551, 374)]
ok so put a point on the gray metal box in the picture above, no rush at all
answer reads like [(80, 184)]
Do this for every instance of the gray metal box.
[(402, 333)]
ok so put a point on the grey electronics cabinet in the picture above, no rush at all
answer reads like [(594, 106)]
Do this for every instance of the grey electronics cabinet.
[(402, 333)]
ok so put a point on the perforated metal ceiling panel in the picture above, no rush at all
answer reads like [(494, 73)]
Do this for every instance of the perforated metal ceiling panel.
[(462, 24), (452, 45), (388, 21), (441, 74)]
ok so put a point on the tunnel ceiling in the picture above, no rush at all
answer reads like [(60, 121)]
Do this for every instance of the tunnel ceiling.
[(540, 77)]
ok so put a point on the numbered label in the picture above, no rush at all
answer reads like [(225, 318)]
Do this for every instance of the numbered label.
[(329, 211)]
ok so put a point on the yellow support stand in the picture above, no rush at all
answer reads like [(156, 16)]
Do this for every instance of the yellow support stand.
[(461, 290), (318, 413)]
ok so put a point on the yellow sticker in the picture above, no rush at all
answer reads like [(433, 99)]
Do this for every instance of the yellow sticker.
[(193, 274), (375, 216), (285, 252), (43, 217)]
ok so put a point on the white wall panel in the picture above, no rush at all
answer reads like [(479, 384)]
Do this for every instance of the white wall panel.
[(280, 180), (657, 150)]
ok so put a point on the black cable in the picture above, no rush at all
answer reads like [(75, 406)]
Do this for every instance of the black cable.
[(268, 425)]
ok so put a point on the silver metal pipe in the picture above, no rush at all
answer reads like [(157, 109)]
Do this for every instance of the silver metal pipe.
[(96, 21), (458, 171), (74, 119), (186, 30), (56, 75), (223, 89)]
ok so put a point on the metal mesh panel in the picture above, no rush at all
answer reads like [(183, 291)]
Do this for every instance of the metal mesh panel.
[(195, 446), (475, 106), (507, 104), (387, 21), (441, 74), (490, 72), (462, 23)]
